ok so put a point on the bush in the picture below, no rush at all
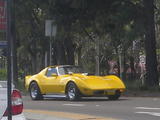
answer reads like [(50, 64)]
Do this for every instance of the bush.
[(3, 74)]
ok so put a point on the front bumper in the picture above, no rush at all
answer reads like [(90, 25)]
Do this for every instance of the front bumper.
[(101, 92)]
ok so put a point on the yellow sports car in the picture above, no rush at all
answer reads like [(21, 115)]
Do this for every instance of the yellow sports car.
[(72, 82)]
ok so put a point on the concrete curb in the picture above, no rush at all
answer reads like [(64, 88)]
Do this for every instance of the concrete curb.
[(141, 94)]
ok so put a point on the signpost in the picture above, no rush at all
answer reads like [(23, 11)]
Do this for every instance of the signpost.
[(9, 70), (50, 30)]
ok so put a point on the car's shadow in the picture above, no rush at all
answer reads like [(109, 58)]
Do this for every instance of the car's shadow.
[(85, 99)]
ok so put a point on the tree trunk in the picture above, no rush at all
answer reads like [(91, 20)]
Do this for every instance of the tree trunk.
[(79, 55), (70, 50), (132, 76), (60, 53), (34, 64), (125, 66), (33, 53), (150, 44)]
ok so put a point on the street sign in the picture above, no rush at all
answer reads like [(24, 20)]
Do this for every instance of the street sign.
[(50, 31), (3, 20), (50, 28), (3, 44)]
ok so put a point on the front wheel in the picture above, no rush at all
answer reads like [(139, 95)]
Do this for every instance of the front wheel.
[(72, 92), (35, 91)]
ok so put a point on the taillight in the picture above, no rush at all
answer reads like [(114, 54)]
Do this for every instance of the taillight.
[(17, 104)]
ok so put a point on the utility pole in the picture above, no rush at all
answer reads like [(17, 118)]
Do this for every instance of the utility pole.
[(50, 48), (10, 55), (97, 56), (120, 60), (14, 46)]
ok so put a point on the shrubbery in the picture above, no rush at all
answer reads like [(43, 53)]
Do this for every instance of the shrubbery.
[(3, 74)]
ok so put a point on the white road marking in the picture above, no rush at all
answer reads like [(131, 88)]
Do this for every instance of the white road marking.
[(150, 113), (147, 108), (157, 114), (155, 99), (76, 105)]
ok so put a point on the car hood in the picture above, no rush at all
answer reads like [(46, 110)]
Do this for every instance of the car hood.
[(97, 82), (3, 98)]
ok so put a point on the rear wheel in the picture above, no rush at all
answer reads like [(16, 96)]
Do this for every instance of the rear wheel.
[(72, 92), (35, 91), (116, 96)]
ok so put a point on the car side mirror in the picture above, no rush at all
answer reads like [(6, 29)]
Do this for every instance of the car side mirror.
[(54, 75)]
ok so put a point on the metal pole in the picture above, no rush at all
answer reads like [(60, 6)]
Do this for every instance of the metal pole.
[(50, 51), (97, 56), (9, 81), (46, 56), (14, 46), (51, 44), (120, 60), (120, 64)]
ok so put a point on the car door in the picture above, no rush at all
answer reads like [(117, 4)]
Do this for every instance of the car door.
[(3, 98), (51, 81)]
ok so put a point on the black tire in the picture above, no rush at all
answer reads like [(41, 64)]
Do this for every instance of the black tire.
[(72, 92), (116, 96), (35, 92)]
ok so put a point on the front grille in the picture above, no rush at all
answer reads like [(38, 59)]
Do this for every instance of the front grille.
[(99, 92)]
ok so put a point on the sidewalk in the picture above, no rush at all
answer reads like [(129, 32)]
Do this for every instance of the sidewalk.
[(137, 93)]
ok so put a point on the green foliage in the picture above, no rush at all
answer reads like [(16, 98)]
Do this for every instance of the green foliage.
[(80, 23), (3, 74)]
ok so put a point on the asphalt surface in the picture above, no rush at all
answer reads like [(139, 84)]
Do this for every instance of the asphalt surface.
[(52, 115), (42, 116), (127, 108), (49, 114)]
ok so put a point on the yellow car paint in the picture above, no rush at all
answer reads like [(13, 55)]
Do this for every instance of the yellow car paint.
[(85, 83)]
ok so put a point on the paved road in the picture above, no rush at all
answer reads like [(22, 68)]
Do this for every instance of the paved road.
[(127, 108)]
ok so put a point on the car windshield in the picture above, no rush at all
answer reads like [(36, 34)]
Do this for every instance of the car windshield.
[(70, 69)]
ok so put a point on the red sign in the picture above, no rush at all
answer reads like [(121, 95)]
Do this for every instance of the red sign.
[(3, 20)]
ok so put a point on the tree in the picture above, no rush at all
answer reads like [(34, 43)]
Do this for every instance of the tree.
[(115, 23), (150, 44)]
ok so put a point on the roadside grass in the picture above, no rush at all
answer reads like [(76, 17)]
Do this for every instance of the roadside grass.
[(137, 88), (21, 87), (138, 85)]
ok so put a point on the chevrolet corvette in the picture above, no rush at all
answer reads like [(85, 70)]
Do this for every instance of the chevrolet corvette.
[(73, 82)]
